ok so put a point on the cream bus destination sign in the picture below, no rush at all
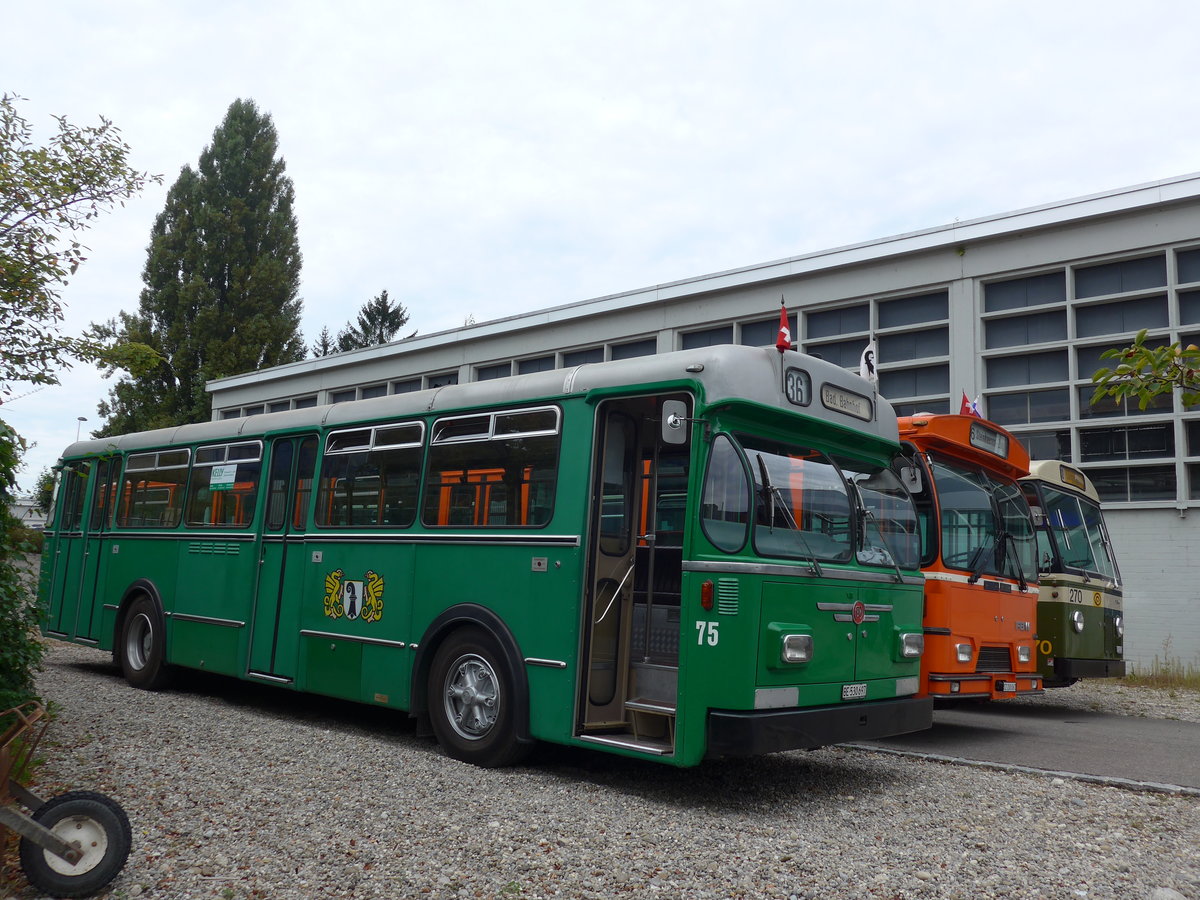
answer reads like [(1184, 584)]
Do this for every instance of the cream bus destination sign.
[(844, 401)]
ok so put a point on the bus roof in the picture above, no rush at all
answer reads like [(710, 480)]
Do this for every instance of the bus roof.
[(723, 374), (967, 437), (1063, 476)]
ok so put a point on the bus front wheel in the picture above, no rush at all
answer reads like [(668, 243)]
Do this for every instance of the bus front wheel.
[(471, 704), (143, 646)]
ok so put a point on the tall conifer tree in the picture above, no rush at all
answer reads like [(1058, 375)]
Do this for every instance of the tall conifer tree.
[(222, 278), (377, 323)]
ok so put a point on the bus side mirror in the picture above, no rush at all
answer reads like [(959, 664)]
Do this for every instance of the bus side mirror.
[(911, 477), (674, 422), (1039, 517)]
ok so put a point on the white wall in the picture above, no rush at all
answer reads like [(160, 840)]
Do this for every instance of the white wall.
[(1159, 556)]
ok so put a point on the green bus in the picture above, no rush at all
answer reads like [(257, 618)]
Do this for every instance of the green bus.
[(698, 554)]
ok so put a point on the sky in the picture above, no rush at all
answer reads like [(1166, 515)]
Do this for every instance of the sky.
[(482, 159)]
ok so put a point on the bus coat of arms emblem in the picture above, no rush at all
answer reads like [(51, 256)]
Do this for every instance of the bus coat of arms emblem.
[(345, 598)]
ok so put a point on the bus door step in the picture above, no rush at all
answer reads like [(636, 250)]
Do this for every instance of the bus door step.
[(631, 742), (652, 720)]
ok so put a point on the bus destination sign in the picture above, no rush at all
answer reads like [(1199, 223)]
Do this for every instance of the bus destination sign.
[(843, 401), (989, 439)]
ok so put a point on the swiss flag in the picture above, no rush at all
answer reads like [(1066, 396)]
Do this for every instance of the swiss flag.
[(969, 407), (784, 340)]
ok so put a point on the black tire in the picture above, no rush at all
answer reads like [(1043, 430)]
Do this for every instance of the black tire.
[(98, 825), (471, 701), (142, 646)]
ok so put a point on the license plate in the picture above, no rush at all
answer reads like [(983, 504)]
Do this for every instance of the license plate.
[(854, 691), (1007, 685)]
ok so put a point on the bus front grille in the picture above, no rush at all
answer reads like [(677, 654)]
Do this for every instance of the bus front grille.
[(993, 659)]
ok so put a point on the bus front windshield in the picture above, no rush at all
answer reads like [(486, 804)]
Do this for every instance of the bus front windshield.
[(802, 504), (1077, 535), (985, 526)]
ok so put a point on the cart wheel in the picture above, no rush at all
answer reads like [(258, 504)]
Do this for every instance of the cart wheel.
[(92, 822)]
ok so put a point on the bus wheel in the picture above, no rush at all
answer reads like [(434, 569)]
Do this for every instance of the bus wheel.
[(471, 702), (92, 822), (142, 647)]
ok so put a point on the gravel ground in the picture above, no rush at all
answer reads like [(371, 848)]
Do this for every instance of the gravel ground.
[(240, 791)]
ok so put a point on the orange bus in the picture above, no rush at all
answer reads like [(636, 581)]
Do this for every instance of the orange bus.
[(978, 555)]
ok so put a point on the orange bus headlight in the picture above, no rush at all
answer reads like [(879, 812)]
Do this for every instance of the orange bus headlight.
[(797, 648), (912, 645), (1024, 654), (963, 651)]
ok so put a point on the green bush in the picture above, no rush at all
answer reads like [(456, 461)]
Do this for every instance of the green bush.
[(21, 648)]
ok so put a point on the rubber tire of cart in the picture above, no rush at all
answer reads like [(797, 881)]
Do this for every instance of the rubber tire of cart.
[(103, 825)]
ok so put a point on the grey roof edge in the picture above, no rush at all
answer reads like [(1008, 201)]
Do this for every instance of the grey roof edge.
[(1181, 187)]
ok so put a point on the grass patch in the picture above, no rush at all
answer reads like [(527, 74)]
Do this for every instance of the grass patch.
[(1167, 672)]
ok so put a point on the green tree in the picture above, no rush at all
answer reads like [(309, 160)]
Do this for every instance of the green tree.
[(1142, 373), (48, 195), (222, 279), (377, 323), (324, 344)]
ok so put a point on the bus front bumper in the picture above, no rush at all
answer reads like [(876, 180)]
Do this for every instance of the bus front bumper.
[(754, 732), (1089, 668)]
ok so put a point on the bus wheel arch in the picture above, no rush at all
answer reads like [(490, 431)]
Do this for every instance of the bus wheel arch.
[(469, 652), (140, 642)]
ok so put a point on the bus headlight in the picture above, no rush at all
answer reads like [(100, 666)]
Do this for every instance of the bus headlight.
[(1024, 654), (963, 651), (1077, 621), (797, 648), (912, 645), (1119, 625)]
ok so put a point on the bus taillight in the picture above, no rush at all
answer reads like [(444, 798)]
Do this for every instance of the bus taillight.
[(706, 595)]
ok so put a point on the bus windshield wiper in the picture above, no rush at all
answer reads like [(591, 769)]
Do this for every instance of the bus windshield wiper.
[(772, 494), (976, 563), (1015, 558), (869, 516)]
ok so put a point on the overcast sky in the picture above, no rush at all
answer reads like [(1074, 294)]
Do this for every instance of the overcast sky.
[(483, 159)]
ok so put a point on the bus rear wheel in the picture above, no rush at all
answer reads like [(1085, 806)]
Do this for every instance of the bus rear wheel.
[(471, 705), (143, 648)]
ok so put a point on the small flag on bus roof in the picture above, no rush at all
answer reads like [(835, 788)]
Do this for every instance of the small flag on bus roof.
[(866, 363), (784, 340), (969, 407)]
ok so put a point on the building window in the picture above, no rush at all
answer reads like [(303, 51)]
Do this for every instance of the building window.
[(765, 333), (832, 322), (305, 402), (915, 382), (914, 310), (582, 357), (1121, 277), (931, 407), (912, 345), (846, 354), (1046, 444), (539, 364), (279, 406), (445, 378), (1017, 331), (487, 373), (231, 413), (1021, 292), (343, 396), (1140, 483), (1031, 368), (648, 347), (1193, 474), (1110, 406), (709, 338), (1029, 407), (256, 410), (1125, 316), (1128, 443), (406, 387), (372, 390), (1188, 265)]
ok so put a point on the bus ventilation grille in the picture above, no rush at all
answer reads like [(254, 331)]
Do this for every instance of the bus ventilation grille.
[(727, 596), (993, 659), (211, 548)]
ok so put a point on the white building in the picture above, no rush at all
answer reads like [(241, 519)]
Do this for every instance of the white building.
[(1014, 308)]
